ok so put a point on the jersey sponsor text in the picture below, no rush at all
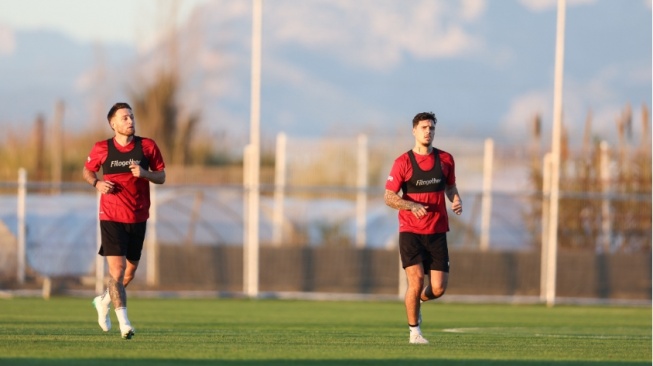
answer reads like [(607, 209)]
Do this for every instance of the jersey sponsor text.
[(121, 163), (421, 182)]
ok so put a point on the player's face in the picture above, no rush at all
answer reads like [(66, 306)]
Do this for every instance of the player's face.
[(424, 132), (123, 122)]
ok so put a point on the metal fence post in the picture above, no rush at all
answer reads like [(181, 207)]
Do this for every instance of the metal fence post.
[(486, 202), (21, 230), (361, 194)]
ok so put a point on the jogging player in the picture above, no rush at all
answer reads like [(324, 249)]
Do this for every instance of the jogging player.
[(425, 175), (129, 163)]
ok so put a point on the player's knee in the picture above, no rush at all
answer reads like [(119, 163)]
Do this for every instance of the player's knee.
[(416, 281), (438, 291)]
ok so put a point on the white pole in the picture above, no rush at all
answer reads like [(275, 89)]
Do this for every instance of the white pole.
[(546, 190), (606, 223), (99, 260), (403, 281), (21, 229), (361, 195), (152, 275), (255, 107), (252, 244), (552, 251), (246, 197), (486, 203), (279, 189), (57, 147)]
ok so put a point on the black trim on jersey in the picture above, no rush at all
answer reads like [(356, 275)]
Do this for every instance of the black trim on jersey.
[(118, 162), (425, 181)]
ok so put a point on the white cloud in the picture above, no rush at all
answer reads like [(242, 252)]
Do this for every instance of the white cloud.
[(210, 59), (639, 74), (595, 96), (539, 5), (543, 5), (472, 9), (86, 79), (516, 125), (375, 33), (578, 101), (7, 41)]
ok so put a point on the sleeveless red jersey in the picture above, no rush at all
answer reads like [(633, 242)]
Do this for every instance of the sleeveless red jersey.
[(436, 219), (130, 202)]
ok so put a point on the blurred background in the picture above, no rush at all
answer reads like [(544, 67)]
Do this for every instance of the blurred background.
[(340, 83)]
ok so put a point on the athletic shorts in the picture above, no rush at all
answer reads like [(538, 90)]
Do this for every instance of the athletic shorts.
[(429, 249), (120, 239)]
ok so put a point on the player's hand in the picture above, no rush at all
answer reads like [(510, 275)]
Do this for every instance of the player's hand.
[(457, 207), (137, 171), (418, 210), (105, 186)]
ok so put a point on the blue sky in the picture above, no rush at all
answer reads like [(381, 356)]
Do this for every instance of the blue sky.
[(485, 67)]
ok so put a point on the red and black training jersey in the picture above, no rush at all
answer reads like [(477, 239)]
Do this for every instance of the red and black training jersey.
[(423, 181), (130, 200)]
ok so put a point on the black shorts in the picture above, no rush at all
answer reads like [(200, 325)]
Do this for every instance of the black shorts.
[(429, 249), (120, 239)]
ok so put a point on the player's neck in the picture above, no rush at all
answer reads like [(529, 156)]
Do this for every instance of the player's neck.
[(422, 150), (123, 140)]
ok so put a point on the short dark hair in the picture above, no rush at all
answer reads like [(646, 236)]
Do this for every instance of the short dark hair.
[(115, 108), (424, 116)]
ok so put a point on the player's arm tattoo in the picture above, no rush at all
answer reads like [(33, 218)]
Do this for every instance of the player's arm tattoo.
[(393, 200), (117, 293), (89, 176)]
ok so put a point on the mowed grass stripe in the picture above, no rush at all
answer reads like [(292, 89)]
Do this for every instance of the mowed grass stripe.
[(63, 331)]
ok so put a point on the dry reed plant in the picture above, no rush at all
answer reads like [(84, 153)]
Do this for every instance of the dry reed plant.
[(605, 202)]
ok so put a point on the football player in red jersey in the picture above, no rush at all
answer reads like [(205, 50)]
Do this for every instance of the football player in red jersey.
[(425, 175), (129, 163)]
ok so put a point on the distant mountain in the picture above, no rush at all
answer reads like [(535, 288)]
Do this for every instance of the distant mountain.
[(46, 66)]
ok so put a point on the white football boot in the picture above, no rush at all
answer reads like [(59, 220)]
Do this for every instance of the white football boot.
[(103, 317), (416, 338), (127, 332)]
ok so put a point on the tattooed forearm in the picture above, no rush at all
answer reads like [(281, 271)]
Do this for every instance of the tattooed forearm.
[(117, 293), (88, 175), (393, 200)]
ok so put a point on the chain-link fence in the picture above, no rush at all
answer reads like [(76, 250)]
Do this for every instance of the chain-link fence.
[(197, 230)]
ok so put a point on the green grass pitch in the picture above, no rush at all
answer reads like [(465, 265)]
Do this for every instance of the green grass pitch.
[(63, 331)]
